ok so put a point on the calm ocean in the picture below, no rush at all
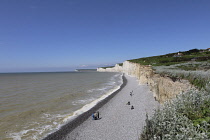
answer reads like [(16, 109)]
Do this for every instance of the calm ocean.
[(32, 105)]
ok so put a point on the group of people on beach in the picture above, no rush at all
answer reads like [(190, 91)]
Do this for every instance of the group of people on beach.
[(128, 103), (95, 115)]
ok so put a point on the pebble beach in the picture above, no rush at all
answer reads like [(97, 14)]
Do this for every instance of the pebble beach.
[(117, 120)]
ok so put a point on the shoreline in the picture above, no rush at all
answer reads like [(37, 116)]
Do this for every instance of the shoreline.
[(70, 126), (118, 119)]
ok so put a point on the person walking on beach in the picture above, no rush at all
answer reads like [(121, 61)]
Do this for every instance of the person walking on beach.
[(95, 115), (132, 107), (131, 93)]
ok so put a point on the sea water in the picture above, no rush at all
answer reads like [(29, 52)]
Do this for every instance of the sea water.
[(33, 105)]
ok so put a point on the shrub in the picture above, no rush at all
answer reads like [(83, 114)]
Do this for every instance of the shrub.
[(197, 73), (186, 117)]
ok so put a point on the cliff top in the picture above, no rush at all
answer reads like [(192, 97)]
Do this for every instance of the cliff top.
[(175, 58)]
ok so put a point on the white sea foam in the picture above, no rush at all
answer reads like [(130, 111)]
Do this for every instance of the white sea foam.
[(83, 101), (92, 104), (107, 85), (39, 130), (96, 89), (48, 121), (19, 135)]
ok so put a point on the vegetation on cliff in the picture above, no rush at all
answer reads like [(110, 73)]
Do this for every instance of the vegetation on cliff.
[(197, 73), (192, 65), (174, 58), (187, 116)]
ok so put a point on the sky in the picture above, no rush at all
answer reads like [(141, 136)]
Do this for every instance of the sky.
[(63, 35)]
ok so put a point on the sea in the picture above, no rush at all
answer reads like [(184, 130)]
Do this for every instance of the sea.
[(33, 105)]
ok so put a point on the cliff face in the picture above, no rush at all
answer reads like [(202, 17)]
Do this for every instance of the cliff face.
[(116, 68), (163, 88)]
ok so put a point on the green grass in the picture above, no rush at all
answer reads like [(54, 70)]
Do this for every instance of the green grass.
[(170, 59)]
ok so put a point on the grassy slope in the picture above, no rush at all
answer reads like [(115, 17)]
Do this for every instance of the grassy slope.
[(188, 116), (169, 59), (176, 67)]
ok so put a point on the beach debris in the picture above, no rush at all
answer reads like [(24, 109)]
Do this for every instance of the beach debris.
[(132, 107), (128, 103), (95, 115)]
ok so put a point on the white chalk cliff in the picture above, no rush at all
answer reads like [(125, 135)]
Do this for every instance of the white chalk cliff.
[(163, 88)]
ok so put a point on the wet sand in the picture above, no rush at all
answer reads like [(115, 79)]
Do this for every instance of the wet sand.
[(117, 120)]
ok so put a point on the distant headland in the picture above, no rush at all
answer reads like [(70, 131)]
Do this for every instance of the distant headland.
[(85, 70)]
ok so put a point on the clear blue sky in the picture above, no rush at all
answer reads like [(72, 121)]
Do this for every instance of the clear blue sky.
[(57, 35)]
